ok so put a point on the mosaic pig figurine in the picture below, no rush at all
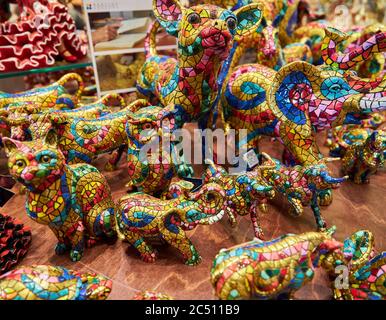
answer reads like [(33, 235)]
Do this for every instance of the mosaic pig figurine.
[(141, 216), (274, 269), (44, 282), (363, 158), (245, 193), (301, 185), (73, 200)]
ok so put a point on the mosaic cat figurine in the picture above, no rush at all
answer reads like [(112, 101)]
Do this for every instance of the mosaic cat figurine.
[(73, 200)]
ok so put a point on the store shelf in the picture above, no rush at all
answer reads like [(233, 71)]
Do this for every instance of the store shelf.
[(119, 91), (59, 67), (132, 50)]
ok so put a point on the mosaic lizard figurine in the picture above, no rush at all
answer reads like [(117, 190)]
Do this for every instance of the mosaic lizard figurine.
[(73, 200), (44, 282), (245, 193), (80, 140), (274, 269), (141, 216), (205, 35), (301, 185), (151, 295), (152, 158), (53, 96), (363, 158)]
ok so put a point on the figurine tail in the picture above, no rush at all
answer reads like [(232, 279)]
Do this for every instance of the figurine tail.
[(150, 41), (73, 77)]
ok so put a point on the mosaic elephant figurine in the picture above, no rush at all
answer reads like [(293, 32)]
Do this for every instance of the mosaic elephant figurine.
[(73, 200), (363, 158), (301, 185), (80, 140), (205, 35), (53, 96), (152, 157), (245, 193), (274, 269), (44, 32), (15, 239), (43, 282), (301, 99), (141, 216)]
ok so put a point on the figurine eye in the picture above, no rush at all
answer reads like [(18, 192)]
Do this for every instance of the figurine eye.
[(20, 163), (194, 18), (231, 23), (336, 87), (45, 159), (147, 126)]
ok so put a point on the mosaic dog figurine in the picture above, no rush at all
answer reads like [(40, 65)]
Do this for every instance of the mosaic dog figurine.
[(205, 35), (274, 269), (53, 283), (245, 193), (141, 216), (53, 96), (363, 158), (301, 185), (152, 163), (73, 200)]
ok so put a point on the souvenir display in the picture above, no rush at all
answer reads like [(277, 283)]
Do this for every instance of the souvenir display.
[(216, 91), (190, 81), (301, 185), (363, 158), (53, 96), (274, 269), (44, 31), (42, 282), (73, 200), (245, 193), (141, 216), (15, 240)]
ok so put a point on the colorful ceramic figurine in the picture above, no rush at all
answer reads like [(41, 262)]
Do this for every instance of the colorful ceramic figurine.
[(73, 200), (53, 283), (15, 240), (205, 35), (362, 159), (151, 295), (141, 216), (301, 99), (245, 193), (81, 140), (271, 270), (53, 96), (44, 31), (152, 159), (301, 185)]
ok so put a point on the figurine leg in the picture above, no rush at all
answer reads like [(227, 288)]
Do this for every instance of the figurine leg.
[(256, 224), (116, 155), (296, 209), (77, 239), (316, 210), (183, 244), (62, 246), (148, 254)]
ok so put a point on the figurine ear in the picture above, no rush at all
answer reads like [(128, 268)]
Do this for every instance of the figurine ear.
[(169, 15), (51, 138), (248, 20), (11, 145)]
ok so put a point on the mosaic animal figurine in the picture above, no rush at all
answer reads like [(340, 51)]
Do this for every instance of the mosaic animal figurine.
[(18, 119), (53, 96), (301, 99), (151, 295), (44, 32), (43, 282), (15, 239), (141, 216), (152, 158), (245, 193), (80, 140), (363, 158), (301, 185), (274, 269), (73, 200), (205, 35)]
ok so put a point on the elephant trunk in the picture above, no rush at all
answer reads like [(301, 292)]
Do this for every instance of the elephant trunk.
[(331, 180)]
